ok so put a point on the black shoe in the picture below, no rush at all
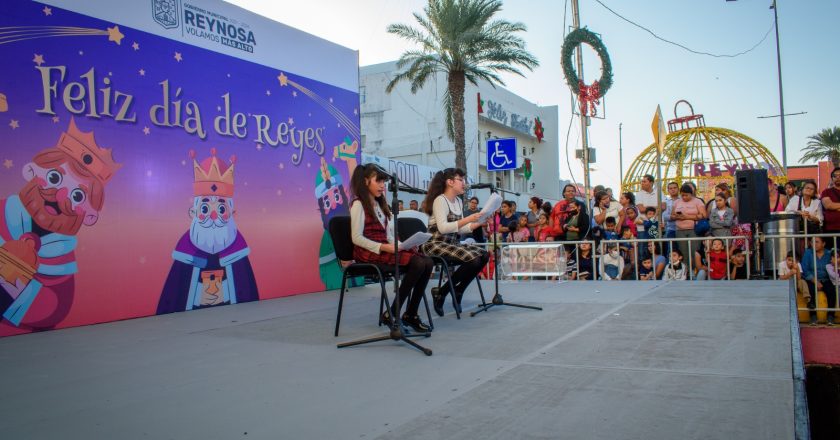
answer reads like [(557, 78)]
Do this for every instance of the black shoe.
[(437, 300), (416, 324), (385, 318)]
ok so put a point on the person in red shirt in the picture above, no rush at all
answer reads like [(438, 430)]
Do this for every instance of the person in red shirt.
[(830, 198), (561, 211)]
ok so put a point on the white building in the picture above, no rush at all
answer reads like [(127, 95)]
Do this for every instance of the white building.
[(411, 128)]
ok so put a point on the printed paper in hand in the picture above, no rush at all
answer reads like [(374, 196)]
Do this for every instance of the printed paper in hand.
[(494, 202), (415, 240)]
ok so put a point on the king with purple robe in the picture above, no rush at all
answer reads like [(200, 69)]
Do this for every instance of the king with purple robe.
[(211, 264)]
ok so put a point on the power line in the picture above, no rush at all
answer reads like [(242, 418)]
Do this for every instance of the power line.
[(684, 47)]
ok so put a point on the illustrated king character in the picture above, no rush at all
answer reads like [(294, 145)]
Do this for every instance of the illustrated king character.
[(211, 264), (65, 190)]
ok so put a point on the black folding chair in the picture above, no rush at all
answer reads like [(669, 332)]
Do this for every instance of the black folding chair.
[(340, 234), (409, 226)]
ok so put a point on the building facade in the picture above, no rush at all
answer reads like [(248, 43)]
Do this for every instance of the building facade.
[(411, 128)]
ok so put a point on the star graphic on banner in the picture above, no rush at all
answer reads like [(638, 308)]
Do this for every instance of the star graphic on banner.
[(218, 108), (310, 115), (355, 111), (338, 125), (142, 260), (8, 163), (259, 146), (55, 119), (81, 52), (146, 130), (14, 124), (294, 93), (178, 57), (39, 59), (291, 120), (142, 72), (279, 192), (115, 35), (281, 166), (284, 80), (183, 162), (331, 100), (110, 73), (135, 46), (228, 75), (308, 165), (47, 10), (268, 92)]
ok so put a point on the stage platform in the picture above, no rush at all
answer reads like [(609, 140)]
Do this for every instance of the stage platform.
[(604, 360)]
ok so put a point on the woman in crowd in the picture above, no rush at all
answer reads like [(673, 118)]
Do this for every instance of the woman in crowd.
[(508, 216), (561, 211), (372, 233), (808, 206), (626, 200), (534, 210), (778, 200), (446, 223), (790, 190), (687, 210), (605, 207), (659, 261), (721, 216), (577, 222)]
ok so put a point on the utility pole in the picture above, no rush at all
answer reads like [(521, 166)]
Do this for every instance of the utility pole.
[(620, 161), (781, 93), (584, 136)]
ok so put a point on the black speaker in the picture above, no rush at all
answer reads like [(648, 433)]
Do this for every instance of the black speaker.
[(752, 195)]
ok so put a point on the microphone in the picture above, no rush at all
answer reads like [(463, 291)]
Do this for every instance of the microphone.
[(481, 186)]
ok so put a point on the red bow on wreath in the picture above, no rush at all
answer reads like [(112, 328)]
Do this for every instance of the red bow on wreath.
[(590, 97)]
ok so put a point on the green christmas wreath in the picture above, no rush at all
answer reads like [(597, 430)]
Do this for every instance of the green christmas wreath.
[(599, 88)]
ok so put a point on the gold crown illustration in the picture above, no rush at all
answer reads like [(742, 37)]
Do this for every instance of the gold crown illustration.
[(82, 148), (213, 177)]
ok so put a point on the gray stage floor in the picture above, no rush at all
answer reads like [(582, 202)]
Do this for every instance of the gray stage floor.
[(604, 360)]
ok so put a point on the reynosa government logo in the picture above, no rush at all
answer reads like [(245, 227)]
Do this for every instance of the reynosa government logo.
[(165, 13)]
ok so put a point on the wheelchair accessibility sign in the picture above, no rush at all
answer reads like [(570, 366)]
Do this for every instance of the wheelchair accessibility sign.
[(501, 154)]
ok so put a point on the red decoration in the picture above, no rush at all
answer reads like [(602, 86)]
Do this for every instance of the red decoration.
[(538, 130), (480, 104), (590, 97)]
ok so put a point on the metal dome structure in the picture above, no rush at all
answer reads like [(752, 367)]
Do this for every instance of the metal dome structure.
[(703, 155)]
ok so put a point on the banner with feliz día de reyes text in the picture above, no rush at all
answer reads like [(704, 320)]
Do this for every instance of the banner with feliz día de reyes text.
[(142, 174)]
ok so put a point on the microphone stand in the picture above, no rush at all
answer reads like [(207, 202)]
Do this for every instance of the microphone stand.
[(497, 297), (396, 332)]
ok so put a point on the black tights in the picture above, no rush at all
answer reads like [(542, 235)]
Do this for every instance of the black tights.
[(417, 273), (464, 274), (828, 289)]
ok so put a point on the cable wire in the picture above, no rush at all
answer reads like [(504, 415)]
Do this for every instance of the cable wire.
[(772, 26)]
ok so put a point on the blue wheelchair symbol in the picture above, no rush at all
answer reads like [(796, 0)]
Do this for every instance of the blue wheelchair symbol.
[(501, 154)]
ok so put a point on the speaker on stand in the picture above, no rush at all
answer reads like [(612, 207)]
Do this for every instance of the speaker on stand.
[(753, 206)]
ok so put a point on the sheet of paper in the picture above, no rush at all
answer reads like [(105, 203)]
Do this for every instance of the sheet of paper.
[(494, 202), (415, 240)]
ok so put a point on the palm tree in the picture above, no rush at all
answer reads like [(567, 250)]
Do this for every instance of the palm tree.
[(825, 144), (457, 37)]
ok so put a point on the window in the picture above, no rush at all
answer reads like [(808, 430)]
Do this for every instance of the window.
[(362, 94)]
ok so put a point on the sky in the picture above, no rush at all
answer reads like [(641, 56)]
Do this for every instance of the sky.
[(729, 92)]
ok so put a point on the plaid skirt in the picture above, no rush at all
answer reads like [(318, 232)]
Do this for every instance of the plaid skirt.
[(362, 255), (450, 250)]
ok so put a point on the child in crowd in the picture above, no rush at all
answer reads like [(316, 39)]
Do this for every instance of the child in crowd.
[(646, 272), (676, 269), (717, 260), (521, 233), (738, 269), (609, 229), (651, 224), (833, 267), (571, 262), (542, 232), (790, 268), (586, 269), (631, 220), (612, 265)]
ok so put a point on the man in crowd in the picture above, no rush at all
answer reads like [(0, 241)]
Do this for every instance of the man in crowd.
[(831, 205), (647, 195)]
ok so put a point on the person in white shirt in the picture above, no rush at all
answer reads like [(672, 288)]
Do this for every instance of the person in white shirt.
[(647, 195), (792, 269), (446, 224), (808, 206), (372, 232)]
